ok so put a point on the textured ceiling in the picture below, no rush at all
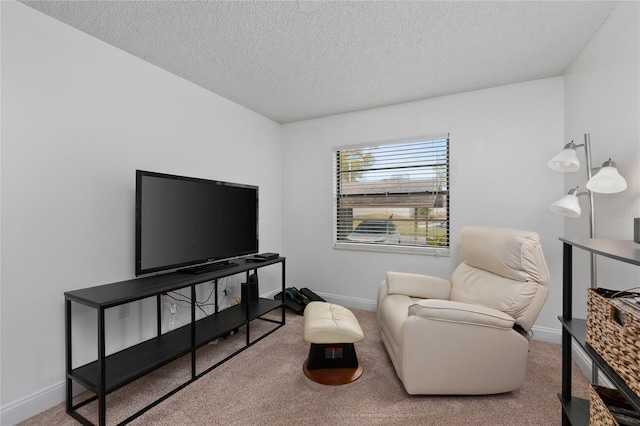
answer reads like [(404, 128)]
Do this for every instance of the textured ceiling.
[(293, 60)]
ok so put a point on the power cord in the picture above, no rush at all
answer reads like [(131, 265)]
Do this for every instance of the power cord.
[(207, 302), (622, 292), (181, 298)]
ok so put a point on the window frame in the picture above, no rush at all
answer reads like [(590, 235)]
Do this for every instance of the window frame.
[(390, 247)]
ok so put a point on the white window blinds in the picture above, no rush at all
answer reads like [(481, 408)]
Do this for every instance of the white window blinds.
[(393, 196)]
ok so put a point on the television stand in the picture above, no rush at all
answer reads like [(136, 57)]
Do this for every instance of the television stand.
[(210, 267), (109, 372)]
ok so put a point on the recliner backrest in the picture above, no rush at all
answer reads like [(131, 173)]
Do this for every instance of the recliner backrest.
[(503, 269)]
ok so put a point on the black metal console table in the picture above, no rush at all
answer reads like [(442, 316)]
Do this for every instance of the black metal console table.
[(575, 411), (111, 372)]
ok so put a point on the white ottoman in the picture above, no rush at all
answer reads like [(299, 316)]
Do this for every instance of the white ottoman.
[(332, 331)]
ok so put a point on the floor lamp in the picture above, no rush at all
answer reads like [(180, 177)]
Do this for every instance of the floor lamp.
[(607, 180)]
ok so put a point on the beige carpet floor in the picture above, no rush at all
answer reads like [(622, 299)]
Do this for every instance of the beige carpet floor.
[(265, 385)]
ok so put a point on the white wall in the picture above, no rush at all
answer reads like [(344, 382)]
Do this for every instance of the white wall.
[(501, 140), (602, 97), (78, 118)]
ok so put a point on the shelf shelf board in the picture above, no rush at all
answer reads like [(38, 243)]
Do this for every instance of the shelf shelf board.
[(620, 384), (114, 294), (576, 409), (129, 364), (577, 328), (134, 362), (214, 326), (623, 250)]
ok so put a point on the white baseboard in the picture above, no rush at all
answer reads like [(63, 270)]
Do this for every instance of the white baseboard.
[(270, 294), (581, 359), (578, 355), (546, 334), (350, 302), (23, 408), (585, 364)]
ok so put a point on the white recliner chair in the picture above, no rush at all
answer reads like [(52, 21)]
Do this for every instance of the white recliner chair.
[(470, 334)]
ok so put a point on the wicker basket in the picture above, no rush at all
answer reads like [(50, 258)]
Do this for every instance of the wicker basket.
[(607, 406), (613, 331)]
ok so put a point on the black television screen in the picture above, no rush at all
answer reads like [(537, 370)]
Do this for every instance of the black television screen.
[(183, 221)]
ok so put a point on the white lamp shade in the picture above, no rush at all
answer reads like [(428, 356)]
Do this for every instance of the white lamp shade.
[(568, 206), (607, 181), (566, 161)]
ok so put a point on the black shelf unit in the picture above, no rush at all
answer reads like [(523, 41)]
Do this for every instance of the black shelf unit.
[(575, 411), (108, 373)]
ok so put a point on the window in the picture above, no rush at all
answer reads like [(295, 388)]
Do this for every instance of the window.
[(393, 196)]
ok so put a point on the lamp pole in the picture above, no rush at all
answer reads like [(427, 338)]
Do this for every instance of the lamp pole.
[(592, 219), (592, 234)]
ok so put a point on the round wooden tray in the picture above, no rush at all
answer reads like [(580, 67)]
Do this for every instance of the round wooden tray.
[(333, 376)]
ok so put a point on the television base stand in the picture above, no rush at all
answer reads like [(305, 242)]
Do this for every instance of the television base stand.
[(107, 373), (202, 269)]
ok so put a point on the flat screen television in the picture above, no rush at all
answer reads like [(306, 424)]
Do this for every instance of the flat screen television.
[(183, 221)]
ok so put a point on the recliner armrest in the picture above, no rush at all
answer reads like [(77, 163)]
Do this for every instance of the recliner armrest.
[(418, 285), (459, 312)]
